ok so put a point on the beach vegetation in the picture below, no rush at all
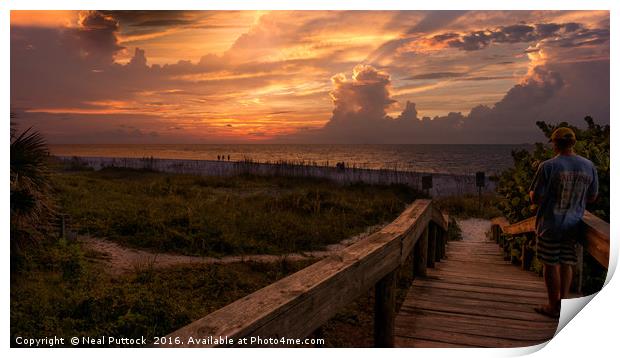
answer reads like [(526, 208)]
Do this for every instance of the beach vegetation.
[(216, 216)]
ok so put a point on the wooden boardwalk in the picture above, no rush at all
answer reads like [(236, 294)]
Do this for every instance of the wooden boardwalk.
[(473, 298)]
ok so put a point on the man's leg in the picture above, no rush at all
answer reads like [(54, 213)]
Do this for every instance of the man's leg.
[(553, 283), (566, 279)]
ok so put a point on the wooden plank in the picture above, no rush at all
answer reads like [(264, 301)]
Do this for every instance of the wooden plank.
[(491, 322), (480, 289), (497, 276), (597, 238), (479, 267), (468, 339), (501, 221), (481, 311), (421, 212), (596, 234), (446, 324), (536, 287), (502, 280), (456, 298), (478, 295), (408, 342), (523, 226)]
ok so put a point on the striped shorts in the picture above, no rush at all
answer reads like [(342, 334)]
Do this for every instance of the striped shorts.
[(557, 249)]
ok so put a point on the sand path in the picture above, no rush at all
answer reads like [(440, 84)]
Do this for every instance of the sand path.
[(474, 229), (119, 259)]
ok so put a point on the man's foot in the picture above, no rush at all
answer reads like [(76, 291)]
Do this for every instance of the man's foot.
[(548, 311)]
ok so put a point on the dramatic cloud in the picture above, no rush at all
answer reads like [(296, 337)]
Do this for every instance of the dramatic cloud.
[(254, 76), (365, 96), (568, 34), (541, 96), (96, 37)]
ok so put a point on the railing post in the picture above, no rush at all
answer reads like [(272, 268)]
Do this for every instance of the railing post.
[(420, 251), (385, 306), (432, 246), (444, 243), (439, 247)]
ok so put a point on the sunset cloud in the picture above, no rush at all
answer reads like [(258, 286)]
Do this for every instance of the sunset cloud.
[(322, 76)]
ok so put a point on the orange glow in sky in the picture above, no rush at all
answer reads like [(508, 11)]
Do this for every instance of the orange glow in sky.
[(249, 76)]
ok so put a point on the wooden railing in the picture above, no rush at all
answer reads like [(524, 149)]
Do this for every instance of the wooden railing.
[(595, 240), (297, 305)]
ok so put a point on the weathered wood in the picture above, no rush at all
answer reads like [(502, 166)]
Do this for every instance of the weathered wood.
[(385, 306), (480, 329), (432, 246), (491, 322), (474, 299), (420, 254), (440, 219), (597, 238), (422, 212), (501, 221), (438, 244), (481, 289), (521, 227), (423, 343), (472, 339), (297, 305)]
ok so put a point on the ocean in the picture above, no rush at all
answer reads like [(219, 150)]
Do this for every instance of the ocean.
[(429, 158)]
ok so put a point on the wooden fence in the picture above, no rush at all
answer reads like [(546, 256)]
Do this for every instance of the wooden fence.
[(443, 184), (299, 304), (595, 242)]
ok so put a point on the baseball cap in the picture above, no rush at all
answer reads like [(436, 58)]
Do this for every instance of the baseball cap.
[(563, 133)]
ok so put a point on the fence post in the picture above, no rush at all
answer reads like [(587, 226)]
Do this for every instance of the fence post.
[(385, 302), (420, 251), (432, 246)]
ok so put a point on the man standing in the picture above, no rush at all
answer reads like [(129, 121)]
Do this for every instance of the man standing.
[(561, 188)]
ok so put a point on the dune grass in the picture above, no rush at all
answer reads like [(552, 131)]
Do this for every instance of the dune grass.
[(221, 216), (59, 288), (59, 291)]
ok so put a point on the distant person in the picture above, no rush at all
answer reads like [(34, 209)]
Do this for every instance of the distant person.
[(561, 188), (218, 157), (229, 157)]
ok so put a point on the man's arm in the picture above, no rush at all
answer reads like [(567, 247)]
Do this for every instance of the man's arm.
[(539, 184), (593, 188)]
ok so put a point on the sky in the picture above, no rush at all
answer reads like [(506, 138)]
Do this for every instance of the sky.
[(307, 76)]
